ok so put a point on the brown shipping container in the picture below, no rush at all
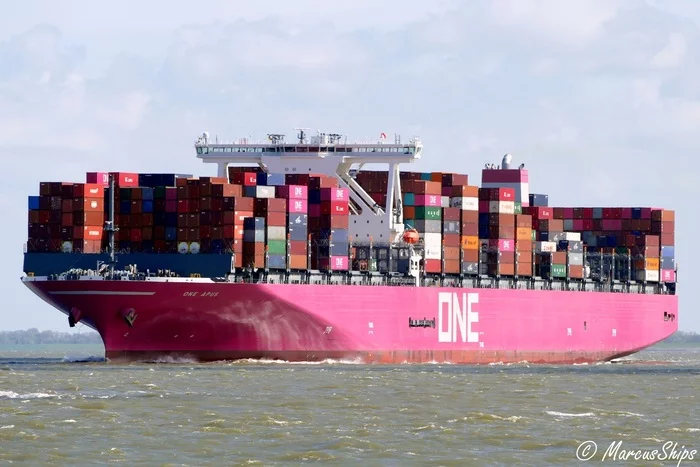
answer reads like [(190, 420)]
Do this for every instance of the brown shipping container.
[(551, 225), (256, 261), (470, 230), (298, 248), (451, 240), (147, 234), (507, 257), (88, 218), (253, 248), (470, 217), (523, 245), (89, 204), (451, 266), (576, 272), (523, 220), (422, 187), (504, 269), (452, 253), (298, 262), (465, 191), (501, 220), (506, 232), (524, 269), (470, 256), (193, 234), (33, 217), (451, 214), (668, 239), (67, 205), (277, 219), (245, 204), (658, 228)]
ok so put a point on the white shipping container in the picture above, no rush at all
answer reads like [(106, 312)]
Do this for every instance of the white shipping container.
[(576, 259), (445, 201), (276, 233), (568, 224), (545, 247), (433, 245), (649, 275), (465, 203), (502, 207), (571, 236), (264, 191)]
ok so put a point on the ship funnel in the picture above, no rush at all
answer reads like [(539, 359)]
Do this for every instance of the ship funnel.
[(507, 159)]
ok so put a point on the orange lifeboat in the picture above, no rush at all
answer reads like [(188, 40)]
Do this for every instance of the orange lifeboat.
[(411, 236)]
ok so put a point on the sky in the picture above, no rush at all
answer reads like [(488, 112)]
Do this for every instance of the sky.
[(600, 99)]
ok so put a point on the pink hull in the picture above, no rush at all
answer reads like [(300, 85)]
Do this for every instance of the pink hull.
[(145, 320)]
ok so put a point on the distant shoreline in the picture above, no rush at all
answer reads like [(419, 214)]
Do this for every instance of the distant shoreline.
[(35, 337)]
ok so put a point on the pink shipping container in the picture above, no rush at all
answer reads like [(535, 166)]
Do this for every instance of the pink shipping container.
[(293, 192), (314, 210), (334, 194), (298, 206), (668, 275), (502, 194), (579, 225), (171, 205), (171, 193), (502, 244), (428, 200), (333, 263), (97, 177), (627, 213), (568, 213), (484, 206), (126, 179)]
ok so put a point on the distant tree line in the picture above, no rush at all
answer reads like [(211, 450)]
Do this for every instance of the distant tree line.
[(33, 337), (683, 337)]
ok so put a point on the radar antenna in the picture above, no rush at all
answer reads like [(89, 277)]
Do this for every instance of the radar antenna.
[(301, 135), (334, 138)]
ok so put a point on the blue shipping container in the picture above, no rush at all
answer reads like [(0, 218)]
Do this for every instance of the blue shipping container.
[(147, 246), (171, 234), (159, 218), (148, 180), (171, 219), (597, 213), (314, 196), (636, 213), (250, 191), (336, 235), (254, 223), (409, 199), (34, 202), (539, 200), (277, 261), (270, 179), (668, 251), (297, 220), (147, 193), (298, 234), (147, 206), (254, 236), (125, 207), (668, 263)]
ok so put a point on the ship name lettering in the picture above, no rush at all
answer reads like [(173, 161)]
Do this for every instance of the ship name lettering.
[(455, 320), (421, 323), (209, 294), (189, 294)]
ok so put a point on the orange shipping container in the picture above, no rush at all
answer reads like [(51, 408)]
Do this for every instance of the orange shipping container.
[(470, 242), (297, 262), (523, 245), (647, 263), (524, 269), (470, 256), (451, 253), (523, 233), (465, 191), (451, 266), (523, 220), (89, 204), (576, 272)]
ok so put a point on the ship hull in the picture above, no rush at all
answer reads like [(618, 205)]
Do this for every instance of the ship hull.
[(206, 321)]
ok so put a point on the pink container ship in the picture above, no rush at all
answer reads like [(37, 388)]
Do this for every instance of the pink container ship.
[(301, 255)]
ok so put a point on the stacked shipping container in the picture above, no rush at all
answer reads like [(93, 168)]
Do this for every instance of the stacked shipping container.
[(268, 219)]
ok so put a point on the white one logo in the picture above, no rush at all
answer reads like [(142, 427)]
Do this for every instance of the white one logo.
[(455, 320)]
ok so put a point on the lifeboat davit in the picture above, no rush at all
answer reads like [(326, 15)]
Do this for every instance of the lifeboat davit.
[(411, 236)]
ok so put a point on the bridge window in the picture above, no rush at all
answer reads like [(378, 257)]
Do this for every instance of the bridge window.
[(199, 150)]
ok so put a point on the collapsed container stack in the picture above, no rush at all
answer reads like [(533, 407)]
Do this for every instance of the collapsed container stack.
[(301, 221)]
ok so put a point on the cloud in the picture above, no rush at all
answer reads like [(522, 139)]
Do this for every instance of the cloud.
[(596, 97)]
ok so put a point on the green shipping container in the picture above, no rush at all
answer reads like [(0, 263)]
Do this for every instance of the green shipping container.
[(428, 213), (373, 265), (534, 235), (558, 270), (159, 192), (277, 247), (518, 208)]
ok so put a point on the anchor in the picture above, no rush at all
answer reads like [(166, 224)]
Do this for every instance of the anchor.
[(74, 316), (129, 316)]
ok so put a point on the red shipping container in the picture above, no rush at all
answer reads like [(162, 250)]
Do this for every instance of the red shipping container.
[(540, 213), (91, 233), (88, 204), (298, 248), (333, 263), (433, 266), (277, 219), (125, 179), (423, 187), (136, 235), (147, 234), (88, 190), (334, 208), (67, 205)]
